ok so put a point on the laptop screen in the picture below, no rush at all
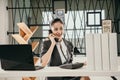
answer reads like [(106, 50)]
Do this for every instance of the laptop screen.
[(16, 57)]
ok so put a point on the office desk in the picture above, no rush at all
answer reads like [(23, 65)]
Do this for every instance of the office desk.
[(56, 71)]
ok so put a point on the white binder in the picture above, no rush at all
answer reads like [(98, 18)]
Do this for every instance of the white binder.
[(113, 51), (97, 51), (105, 52), (90, 52)]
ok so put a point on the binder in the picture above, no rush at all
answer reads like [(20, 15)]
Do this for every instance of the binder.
[(97, 52), (90, 52), (105, 52), (113, 51)]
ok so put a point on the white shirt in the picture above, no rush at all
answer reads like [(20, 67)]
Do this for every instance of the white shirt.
[(64, 49)]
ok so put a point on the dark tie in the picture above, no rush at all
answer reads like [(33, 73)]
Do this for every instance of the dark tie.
[(63, 53)]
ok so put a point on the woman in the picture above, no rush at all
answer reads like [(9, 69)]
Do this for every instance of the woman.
[(56, 50)]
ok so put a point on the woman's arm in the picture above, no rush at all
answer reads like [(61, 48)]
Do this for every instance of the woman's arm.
[(46, 57)]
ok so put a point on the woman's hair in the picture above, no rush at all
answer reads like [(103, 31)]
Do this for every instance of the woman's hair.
[(56, 20), (49, 31)]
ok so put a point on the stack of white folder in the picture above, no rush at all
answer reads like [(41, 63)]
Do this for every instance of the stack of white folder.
[(101, 52)]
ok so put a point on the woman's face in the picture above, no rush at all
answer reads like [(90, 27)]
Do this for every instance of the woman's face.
[(57, 29)]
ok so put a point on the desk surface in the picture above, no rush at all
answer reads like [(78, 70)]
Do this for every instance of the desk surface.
[(56, 71)]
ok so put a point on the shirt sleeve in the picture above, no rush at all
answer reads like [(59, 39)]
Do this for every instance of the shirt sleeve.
[(44, 47)]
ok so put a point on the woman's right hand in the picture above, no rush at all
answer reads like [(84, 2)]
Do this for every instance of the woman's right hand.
[(52, 38)]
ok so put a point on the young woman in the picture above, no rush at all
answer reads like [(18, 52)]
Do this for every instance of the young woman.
[(57, 50)]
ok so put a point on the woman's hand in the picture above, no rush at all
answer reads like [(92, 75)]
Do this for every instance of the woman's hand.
[(51, 37)]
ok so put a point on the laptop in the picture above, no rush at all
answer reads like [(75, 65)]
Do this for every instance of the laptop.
[(17, 57)]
